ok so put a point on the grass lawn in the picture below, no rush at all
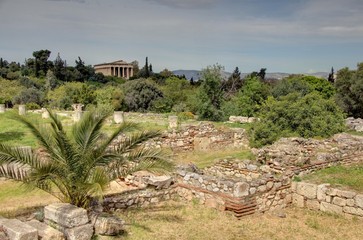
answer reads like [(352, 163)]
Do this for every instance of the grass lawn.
[(15, 197), (347, 177), (14, 133), (187, 222)]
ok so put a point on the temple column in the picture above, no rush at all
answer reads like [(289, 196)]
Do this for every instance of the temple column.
[(131, 72), (126, 73), (112, 71)]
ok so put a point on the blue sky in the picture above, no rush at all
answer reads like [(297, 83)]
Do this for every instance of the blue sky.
[(295, 36)]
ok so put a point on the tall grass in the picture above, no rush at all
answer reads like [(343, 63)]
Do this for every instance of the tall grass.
[(350, 177)]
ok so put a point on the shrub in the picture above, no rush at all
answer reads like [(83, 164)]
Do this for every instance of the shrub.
[(308, 116)]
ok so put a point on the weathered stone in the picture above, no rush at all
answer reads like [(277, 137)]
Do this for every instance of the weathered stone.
[(339, 201), (307, 190), (359, 200), (350, 202), (2, 108), (66, 215), (262, 188), (173, 122), (241, 189), (293, 186), (332, 191), (298, 200), (22, 109), (45, 113), (160, 182), (84, 232), (353, 210), (321, 190), (253, 190), (118, 117), (327, 207), (17, 230), (312, 204), (345, 194), (105, 224), (45, 231), (269, 185)]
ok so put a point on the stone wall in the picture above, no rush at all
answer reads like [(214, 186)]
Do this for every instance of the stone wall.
[(236, 186), (299, 153), (327, 199), (199, 137), (138, 197), (354, 124)]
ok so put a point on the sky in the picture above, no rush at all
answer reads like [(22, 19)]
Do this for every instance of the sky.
[(293, 36)]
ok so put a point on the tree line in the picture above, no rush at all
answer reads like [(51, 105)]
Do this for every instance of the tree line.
[(297, 105)]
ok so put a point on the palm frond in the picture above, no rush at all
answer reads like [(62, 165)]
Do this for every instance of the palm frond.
[(135, 140), (37, 133), (16, 171), (123, 128), (152, 160), (86, 133)]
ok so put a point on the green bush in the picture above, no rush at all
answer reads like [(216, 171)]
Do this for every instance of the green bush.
[(32, 106), (293, 115)]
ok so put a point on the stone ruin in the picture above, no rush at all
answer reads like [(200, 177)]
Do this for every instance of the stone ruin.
[(62, 221), (197, 137), (355, 124), (247, 187), (243, 187)]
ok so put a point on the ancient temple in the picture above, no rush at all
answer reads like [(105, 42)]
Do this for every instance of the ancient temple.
[(118, 68)]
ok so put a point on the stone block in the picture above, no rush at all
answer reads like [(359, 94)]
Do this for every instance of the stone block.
[(17, 230), (241, 189), (66, 215), (106, 224), (331, 191), (293, 186), (262, 188), (46, 232), (350, 202), (331, 208), (160, 182), (353, 211), (346, 194), (84, 232), (321, 191), (359, 200), (269, 185), (298, 200), (312, 204), (339, 201), (118, 117), (307, 190)]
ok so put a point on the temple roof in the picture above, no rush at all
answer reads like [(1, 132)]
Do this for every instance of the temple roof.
[(118, 62)]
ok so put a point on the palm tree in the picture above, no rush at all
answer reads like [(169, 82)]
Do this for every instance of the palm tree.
[(78, 165)]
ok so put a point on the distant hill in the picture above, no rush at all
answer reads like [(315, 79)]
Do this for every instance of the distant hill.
[(195, 74)]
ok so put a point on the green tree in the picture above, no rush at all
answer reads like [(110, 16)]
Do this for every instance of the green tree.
[(349, 85), (233, 84), (80, 164), (249, 99), (210, 93), (293, 115), (29, 95), (110, 96), (140, 95), (42, 64), (8, 90), (69, 93)]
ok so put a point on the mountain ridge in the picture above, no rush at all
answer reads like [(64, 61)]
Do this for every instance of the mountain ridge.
[(195, 74)]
